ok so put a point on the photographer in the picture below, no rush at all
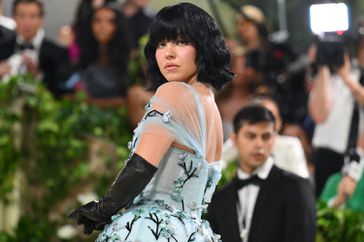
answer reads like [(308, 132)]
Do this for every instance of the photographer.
[(335, 105), (271, 64)]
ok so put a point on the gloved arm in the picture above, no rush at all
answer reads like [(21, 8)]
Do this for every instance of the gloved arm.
[(127, 185)]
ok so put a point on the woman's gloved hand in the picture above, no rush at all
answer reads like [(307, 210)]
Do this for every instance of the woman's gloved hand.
[(128, 184)]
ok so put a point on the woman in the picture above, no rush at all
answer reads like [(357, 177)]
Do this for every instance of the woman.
[(171, 173), (104, 58), (72, 36)]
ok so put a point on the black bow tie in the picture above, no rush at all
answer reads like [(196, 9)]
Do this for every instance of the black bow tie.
[(25, 46), (240, 183)]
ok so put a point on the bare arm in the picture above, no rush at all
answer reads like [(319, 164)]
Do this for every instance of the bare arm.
[(355, 87), (345, 190), (320, 97), (153, 147)]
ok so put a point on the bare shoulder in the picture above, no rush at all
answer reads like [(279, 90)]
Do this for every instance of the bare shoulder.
[(174, 92)]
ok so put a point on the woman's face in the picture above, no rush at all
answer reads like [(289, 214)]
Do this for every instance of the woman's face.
[(103, 25), (177, 60), (247, 30)]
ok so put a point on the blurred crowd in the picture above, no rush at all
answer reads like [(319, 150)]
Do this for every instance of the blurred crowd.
[(318, 107)]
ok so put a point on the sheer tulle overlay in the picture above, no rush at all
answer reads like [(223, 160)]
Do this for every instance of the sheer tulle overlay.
[(171, 205)]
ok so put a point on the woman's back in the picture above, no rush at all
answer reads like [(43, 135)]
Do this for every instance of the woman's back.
[(213, 123), (183, 185)]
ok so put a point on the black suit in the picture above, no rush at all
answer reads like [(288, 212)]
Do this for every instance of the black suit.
[(284, 211), (6, 37), (53, 62)]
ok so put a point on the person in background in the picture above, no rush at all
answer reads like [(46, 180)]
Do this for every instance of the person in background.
[(295, 130), (139, 19), (263, 202), (335, 105), (345, 189), (103, 60), (71, 36), (272, 65), (237, 93), (6, 35), (6, 22), (32, 52), (287, 151)]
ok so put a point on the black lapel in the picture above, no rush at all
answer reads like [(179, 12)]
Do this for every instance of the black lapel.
[(231, 213), (265, 192), (7, 46)]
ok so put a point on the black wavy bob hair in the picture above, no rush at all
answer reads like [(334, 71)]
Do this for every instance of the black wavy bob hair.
[(192, 24)]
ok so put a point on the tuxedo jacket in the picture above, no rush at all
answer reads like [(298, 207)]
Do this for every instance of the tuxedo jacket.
[(6, 36), (284, 211), (53, 62)]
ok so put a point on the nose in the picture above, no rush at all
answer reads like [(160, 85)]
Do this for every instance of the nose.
[(170, 51), (259, 142)]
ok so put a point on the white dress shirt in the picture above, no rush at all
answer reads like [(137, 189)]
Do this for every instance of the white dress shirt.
[(16, 61), (248, 196), (36, 41), (7, 22), (333, 133)]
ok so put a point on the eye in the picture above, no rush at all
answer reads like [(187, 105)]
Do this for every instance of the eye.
[(161, 44), (266, 137), (249, 136)]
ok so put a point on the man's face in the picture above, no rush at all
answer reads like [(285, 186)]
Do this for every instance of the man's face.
[(28, 20), (254, 143)]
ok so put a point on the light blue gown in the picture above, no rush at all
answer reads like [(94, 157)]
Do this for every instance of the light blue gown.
[(171, 205)]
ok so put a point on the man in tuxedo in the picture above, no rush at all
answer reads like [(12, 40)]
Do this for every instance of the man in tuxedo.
[(30, 51), (263, 203)]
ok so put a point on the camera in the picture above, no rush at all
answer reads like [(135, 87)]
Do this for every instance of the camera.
[(329, 22), (331, 51)]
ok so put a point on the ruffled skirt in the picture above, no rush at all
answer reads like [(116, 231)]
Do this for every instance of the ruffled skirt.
[(150, 222)]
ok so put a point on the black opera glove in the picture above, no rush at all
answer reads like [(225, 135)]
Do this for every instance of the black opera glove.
[(128, 184)]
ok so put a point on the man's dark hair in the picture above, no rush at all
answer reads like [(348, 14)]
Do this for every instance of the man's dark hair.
[(252, 114), (194, 25), (39, 3)]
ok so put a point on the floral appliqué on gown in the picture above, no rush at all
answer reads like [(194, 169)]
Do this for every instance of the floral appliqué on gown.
[(170, 207)]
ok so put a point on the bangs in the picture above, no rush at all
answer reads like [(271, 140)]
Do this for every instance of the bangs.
[(170, 28)]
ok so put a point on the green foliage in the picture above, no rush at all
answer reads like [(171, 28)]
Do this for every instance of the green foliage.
[(49, 140), (339, 225), (30, 230), (137, 64), (10, 120), (227, 174)]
